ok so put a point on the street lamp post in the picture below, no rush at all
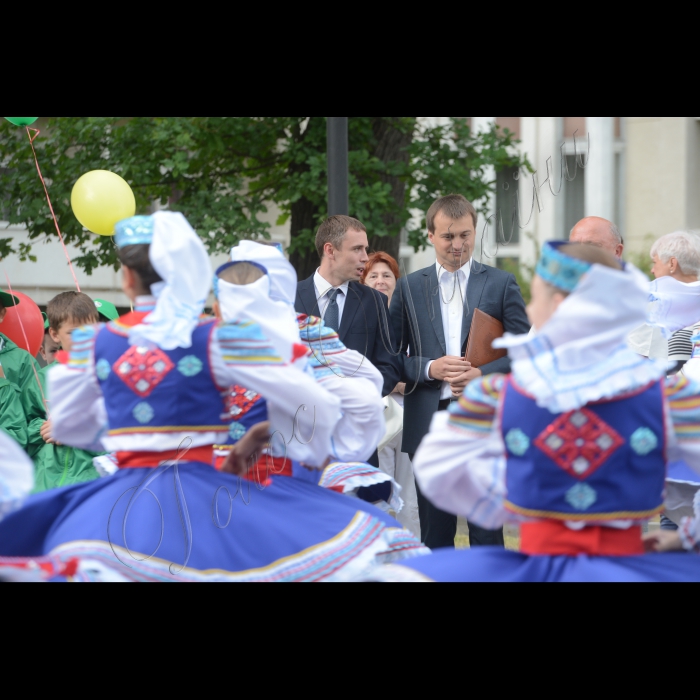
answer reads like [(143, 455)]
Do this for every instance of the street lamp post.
[(338, 167)]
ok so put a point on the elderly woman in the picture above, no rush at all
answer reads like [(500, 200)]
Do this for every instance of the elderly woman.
[(674, 306), (382, 274)]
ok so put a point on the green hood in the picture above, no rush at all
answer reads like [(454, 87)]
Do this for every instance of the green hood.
[(6, 345)]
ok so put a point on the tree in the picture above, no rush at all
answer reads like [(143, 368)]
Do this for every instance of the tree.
[(223, 173)]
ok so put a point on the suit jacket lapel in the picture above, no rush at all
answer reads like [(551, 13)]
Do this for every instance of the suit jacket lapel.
[(431, 292), (306, 298), (475, 289), (352, 306)]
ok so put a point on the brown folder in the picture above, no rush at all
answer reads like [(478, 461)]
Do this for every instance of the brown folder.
[(485, 329)]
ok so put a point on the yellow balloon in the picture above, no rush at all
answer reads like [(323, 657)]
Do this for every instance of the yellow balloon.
[(100, 200)]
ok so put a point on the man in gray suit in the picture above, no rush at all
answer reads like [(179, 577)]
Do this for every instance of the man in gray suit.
[(431, 314)]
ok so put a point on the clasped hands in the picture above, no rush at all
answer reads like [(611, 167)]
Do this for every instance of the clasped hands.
[(456, 371), (45, 433)]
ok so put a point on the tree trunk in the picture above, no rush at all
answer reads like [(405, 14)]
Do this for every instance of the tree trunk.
[(392, 137), (304, 217), (392, 142), (304, 222)]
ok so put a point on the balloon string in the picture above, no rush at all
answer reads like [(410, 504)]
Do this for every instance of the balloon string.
[(26, 342), (48, 199)]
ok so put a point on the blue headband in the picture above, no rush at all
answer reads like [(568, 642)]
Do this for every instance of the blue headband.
[(558, 269), (138, 230), (226, 266)]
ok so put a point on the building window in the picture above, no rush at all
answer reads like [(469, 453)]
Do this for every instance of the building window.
[(507, 226), (574, 195)]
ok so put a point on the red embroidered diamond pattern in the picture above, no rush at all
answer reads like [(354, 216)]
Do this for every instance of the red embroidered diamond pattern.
[(579, 442), (240, 401), (142, 370)]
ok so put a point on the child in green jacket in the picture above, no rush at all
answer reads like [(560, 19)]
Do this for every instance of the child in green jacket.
[(20, 369), (58, 465)]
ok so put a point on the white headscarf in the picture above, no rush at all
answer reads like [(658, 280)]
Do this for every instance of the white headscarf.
[(264, 301), (180, 258), (580, 355), (283, 277)]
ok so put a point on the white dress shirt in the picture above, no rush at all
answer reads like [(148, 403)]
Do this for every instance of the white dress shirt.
[(453, 299), (322, 288)]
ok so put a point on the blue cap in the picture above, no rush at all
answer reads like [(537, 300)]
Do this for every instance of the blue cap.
[(560, 270), (138, 230)]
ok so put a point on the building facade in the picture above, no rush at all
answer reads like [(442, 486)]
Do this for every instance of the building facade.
[(641, 172)]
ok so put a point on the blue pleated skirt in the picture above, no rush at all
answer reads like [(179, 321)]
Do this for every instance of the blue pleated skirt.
[(189, 522), (489, 565)]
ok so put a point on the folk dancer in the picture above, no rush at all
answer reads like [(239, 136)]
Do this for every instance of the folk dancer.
[(151, 388), (572, 446), (259, 285)]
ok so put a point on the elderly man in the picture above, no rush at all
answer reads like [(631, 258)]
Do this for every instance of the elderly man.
[(601, 233)]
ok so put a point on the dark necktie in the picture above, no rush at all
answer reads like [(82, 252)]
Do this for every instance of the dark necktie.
[(332, 316)]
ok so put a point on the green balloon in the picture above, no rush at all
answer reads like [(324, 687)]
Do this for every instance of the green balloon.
[(21, 121)]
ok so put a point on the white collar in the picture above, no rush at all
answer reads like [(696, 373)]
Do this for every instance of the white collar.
[(581, 354), (324, 286), (673, 305), (254, 302), (466, 269)]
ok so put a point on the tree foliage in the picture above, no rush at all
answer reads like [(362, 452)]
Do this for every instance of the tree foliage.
[(224, 172)]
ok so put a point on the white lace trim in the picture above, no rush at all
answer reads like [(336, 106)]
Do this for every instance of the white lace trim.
[(581, 353), (540, 374)]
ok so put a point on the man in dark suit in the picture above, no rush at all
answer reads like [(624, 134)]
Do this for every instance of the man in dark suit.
[(358, 313), (431, 313)]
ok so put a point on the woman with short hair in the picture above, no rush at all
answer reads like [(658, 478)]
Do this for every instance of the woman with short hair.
[(382, 273), (675, 308), (674, 303)]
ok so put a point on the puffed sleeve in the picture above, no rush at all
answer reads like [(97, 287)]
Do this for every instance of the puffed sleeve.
[(301, 411), (356, 382), (76, 404), (461, 464), (683, 420)]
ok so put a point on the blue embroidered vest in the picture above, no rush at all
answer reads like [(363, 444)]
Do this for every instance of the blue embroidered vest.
[(153, 391), (603, 462)]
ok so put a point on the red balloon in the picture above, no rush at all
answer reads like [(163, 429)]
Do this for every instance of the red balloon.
[(33, 323)]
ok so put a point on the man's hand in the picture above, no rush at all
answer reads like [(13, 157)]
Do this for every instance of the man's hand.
[(460, 381), (253, 442), (45, 433), (2, 373), (400, 389), (441, 370), (662, 542)]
